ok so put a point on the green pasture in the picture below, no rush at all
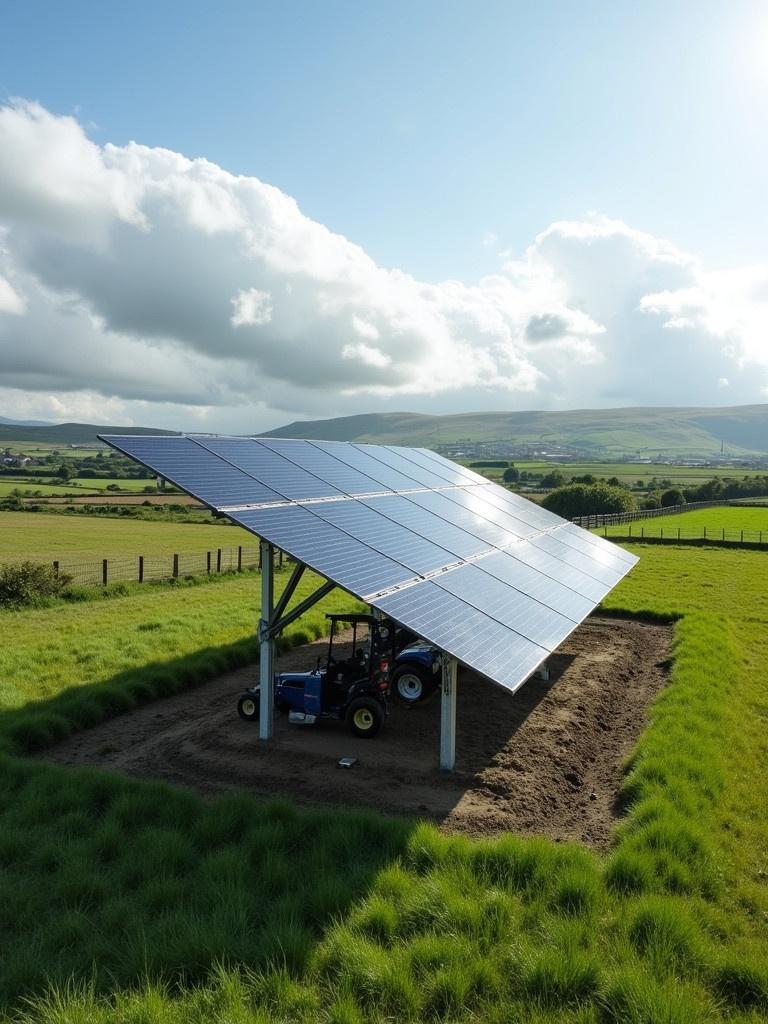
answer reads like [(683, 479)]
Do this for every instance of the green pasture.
[(79, 486), (627, 473), (731, 518), (71, 539), (138, 903)]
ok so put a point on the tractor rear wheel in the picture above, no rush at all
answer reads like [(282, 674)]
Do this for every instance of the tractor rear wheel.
[(365, 717), (248, 707), (412, 683)]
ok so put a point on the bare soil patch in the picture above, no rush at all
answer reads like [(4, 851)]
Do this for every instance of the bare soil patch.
[(547, 760)]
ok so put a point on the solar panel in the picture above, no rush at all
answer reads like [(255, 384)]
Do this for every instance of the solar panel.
[(493, 579), (290, 480), (473, 637)]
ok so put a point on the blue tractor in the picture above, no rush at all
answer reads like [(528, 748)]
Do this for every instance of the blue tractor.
[(355, 689)]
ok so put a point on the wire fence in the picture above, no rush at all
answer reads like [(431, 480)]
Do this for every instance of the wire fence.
[(155, 568), (619, 518), (701, 534)]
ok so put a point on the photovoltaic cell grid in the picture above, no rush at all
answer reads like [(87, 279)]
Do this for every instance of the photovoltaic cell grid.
[(493, 579)]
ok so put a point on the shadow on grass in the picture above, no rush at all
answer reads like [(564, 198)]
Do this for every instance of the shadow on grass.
[(113, 880)]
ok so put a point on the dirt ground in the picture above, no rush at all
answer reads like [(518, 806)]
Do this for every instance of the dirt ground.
[(546, 760)]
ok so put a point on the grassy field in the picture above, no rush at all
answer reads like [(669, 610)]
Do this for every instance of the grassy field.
[(231, 910), (78, 486), (731, 519), (40, 537), (627, 473)]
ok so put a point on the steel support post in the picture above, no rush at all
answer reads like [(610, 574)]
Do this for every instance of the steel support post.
[(267, 643), (448, 715)]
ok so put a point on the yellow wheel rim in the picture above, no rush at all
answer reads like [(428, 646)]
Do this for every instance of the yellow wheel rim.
[(363, 718)]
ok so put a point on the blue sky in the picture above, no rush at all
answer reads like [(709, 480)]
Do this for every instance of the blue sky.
[(418, 129), (438, 135)]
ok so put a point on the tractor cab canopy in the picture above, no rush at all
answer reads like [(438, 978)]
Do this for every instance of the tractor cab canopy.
[(372, 637)]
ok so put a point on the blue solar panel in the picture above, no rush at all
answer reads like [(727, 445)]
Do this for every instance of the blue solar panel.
[(575, 533), (263, 463), (404, 510), (422, 556), (341, 558), (443, 506), (603, 553), (393, 458), (538, 622), (528, 511), (363, 458), (586, 563), (525, 551), (446, 471), (314, 460), (472, 499), (548, 591), (468, 475), (474, 638), (194, 469), (529, 579)]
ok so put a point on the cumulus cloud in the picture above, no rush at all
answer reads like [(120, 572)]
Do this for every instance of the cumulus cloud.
[(138, 283)]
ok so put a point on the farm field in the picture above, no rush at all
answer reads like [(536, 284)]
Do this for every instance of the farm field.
[(78, 487), (230, 909), (41, 537), (628, 473), (729, 518)]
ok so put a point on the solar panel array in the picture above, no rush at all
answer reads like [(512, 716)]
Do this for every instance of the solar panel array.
[(491, 578)]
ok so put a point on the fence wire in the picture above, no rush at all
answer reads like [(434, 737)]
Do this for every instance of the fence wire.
[(155, 568)]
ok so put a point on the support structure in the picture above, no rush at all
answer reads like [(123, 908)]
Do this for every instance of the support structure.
[(272, 622), (448, 715), (267, 643)]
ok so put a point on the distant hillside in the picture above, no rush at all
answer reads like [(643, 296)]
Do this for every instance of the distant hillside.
[(67, 433), (602, 432), (26, 423)]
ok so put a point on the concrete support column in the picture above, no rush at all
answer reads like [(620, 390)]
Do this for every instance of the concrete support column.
[(448, 715), (267, 648)]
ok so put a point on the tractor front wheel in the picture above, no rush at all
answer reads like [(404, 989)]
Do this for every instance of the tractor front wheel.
[(413, 684), (365, 717), (248, 707)]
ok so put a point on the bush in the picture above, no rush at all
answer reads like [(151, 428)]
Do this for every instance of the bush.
[(511, 475), (553, 479), (29, 583), (588, 499), (672, 497)]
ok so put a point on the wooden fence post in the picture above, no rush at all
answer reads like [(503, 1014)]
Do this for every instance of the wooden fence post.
[(141, 568), (56, 569), (239, 558), (104, 572), (208, 562), (175, 566), (218, 560)]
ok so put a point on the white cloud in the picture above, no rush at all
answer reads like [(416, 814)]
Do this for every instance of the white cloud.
[(368, 354), (251, 308), (10, 300), (156, 288)]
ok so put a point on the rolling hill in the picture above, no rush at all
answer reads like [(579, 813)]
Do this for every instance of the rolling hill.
[(66, 433), (603, 432)]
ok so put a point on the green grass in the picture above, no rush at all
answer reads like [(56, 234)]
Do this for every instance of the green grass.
[(142, 903), (732, 519), (86, 660), (40, 537), (78, 487)]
